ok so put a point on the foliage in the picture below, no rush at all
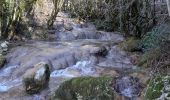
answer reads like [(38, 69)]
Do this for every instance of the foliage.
[(133, 17), (57, 6), (157, 86), (155, 45), (155, 37), (85, 88), (12, 12), (131, 44)]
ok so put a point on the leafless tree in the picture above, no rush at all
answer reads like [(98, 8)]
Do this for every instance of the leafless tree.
[(168, 5)]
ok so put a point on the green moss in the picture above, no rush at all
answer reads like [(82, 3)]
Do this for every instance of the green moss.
[(85, 88), (131, 44), (156, 87)]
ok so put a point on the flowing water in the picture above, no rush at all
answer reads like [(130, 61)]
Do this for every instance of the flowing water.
[(83, 51)]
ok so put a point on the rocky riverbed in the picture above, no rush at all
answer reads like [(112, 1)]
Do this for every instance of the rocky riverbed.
[(78, 50)]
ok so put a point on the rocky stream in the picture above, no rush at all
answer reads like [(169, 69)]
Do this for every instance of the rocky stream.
[(79, 50)]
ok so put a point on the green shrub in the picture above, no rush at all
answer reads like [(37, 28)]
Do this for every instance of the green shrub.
[(131, 44), (157, 87), (106, 25), (154, 38)]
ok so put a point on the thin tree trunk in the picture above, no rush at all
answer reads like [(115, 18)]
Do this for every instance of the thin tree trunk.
[(121, 15), (168, 5)]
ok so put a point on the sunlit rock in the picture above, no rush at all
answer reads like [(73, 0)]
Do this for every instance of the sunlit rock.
[(4, 46), (37, 78), (63, 15)]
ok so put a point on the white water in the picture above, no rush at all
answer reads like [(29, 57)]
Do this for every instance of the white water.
[(81, 68), (6, 71), (5, 86)]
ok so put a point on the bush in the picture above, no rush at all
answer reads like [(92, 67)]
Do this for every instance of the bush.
[(158, 85), (107, 25), (131, 44), (154, 38), (156, 45)]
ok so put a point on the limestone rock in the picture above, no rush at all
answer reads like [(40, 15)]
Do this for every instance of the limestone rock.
[(68, 27), (37, 78), (4, 46)]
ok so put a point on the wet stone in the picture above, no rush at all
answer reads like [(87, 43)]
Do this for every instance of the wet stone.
[(128, 86), (37, 78)]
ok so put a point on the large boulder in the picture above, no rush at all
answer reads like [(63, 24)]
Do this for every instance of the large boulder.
[(2, 60), (36, 78), (85, 88)]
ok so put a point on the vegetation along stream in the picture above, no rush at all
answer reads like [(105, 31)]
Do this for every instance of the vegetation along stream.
[(84, 50)]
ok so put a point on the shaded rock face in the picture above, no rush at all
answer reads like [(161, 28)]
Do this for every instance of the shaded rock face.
[(85, 88), (128, 86), (2, 61), (36, 78)]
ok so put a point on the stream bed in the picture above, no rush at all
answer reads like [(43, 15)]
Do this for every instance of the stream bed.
[(83, 51)]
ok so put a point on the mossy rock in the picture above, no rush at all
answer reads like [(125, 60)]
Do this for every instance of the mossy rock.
[(37, 78), (131, 44), (85, 88), (158, 86), (2, 61)]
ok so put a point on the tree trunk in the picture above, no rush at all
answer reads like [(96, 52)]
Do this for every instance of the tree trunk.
[(168, 5)]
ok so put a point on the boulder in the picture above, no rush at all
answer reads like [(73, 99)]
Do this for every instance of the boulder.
[(4, 46), (128, 86), (36, 78), (2, 60), (85, 88), (68, 27)]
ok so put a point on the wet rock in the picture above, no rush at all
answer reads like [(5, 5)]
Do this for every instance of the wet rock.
[(128, 86), (2, 61), (85, 88), (4, 46), (68, 27), (99, 51), (37, 78)]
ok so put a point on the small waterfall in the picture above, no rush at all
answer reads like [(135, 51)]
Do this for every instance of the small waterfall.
[(81, 68)]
